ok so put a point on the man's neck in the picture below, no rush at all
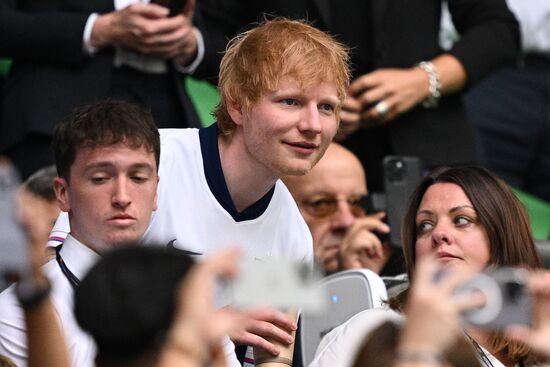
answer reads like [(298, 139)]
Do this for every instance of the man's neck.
[(247, 179)]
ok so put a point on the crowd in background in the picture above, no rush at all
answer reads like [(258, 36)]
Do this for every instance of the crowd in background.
[(95, 118)]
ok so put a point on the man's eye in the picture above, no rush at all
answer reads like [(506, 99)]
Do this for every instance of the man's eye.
[(139, 179), (322, 207), (289, 101), (99, 179), (322, 203), (326, 107)]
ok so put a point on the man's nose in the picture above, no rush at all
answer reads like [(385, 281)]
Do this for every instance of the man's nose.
[(343, 217), (121, 197), (310, 121)]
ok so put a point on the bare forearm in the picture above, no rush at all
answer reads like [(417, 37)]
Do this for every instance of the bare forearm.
[(452, 74), (46, 342)]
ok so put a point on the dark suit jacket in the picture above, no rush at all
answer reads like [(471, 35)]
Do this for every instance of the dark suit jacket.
[(404, 32), (51, 74)]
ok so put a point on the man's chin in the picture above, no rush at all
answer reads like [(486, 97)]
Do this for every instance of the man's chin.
[(123, 241)]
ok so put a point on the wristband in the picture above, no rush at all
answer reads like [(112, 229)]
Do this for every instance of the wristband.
[(435, 84), (420, 356), (280, 360), (30, 294)]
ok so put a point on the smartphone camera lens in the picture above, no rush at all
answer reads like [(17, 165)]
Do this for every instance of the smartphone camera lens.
[(513, 291), (396, 170)]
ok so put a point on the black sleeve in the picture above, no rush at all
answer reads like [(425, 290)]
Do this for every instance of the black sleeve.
[(489, 33)]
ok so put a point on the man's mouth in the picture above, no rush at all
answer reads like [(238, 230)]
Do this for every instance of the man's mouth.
[(302, 147)]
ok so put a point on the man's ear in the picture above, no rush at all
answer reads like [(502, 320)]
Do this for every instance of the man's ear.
[(155, 202), (61, 187), (235, 111)]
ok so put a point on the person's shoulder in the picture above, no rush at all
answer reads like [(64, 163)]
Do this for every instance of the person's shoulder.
[(11, 316), (177, 137), (283, 198), (8, 298), (289, 208), (177, 146), (344, 340)]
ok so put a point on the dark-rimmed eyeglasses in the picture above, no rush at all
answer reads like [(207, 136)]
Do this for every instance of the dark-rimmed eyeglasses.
[(322, 206)]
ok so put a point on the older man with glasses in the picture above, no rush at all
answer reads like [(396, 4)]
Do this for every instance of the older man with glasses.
[(331, 198)]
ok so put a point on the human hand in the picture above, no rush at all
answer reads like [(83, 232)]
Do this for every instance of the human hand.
[(32, 215), (198, 327), (399, 89), (264, 328), (361, 247), (537, 337), (149, 30), (433, 310), (350, 118)]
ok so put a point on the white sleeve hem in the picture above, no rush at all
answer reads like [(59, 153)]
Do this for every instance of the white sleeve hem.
[(87, 36), (190, 69)]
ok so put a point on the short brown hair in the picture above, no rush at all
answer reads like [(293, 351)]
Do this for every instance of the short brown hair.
[(380, 346), (104, 123), (255, 61)]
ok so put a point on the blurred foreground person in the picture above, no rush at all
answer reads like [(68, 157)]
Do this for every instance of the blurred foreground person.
[(151, 306), (37, 204)]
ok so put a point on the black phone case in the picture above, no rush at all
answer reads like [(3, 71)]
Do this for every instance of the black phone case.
[(401, 175), (175, 6)]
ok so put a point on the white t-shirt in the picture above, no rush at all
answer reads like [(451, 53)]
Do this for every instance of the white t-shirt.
[(13, 339), (197, 212)]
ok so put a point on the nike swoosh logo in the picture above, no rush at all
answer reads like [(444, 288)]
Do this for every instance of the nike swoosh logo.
[(171, 246)]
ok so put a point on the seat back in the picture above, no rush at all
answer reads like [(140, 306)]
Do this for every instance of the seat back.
[(348, 292), (543, 248)]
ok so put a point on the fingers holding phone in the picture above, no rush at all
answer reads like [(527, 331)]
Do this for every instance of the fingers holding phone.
[(149, 29), (362, 246), (536, 337)]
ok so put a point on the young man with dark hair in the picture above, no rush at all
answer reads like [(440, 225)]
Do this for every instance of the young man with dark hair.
[(107, 156)]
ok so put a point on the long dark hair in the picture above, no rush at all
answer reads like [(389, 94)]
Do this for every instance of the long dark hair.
[(502, 216), (499, 211)]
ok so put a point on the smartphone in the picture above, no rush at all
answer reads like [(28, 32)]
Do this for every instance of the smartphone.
[(401, 176), (278, 283), (14, 260), (507, 298), (175, 6)]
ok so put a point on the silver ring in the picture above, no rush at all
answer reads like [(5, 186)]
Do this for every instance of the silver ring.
[(382, 108)]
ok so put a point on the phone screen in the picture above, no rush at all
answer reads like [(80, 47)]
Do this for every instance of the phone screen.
[(278, 283)]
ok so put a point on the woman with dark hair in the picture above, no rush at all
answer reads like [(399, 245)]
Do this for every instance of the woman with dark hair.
[(491, 229), (469, 220)]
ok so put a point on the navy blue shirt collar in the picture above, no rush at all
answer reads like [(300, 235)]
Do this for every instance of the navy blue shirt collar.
[(213, 171)]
